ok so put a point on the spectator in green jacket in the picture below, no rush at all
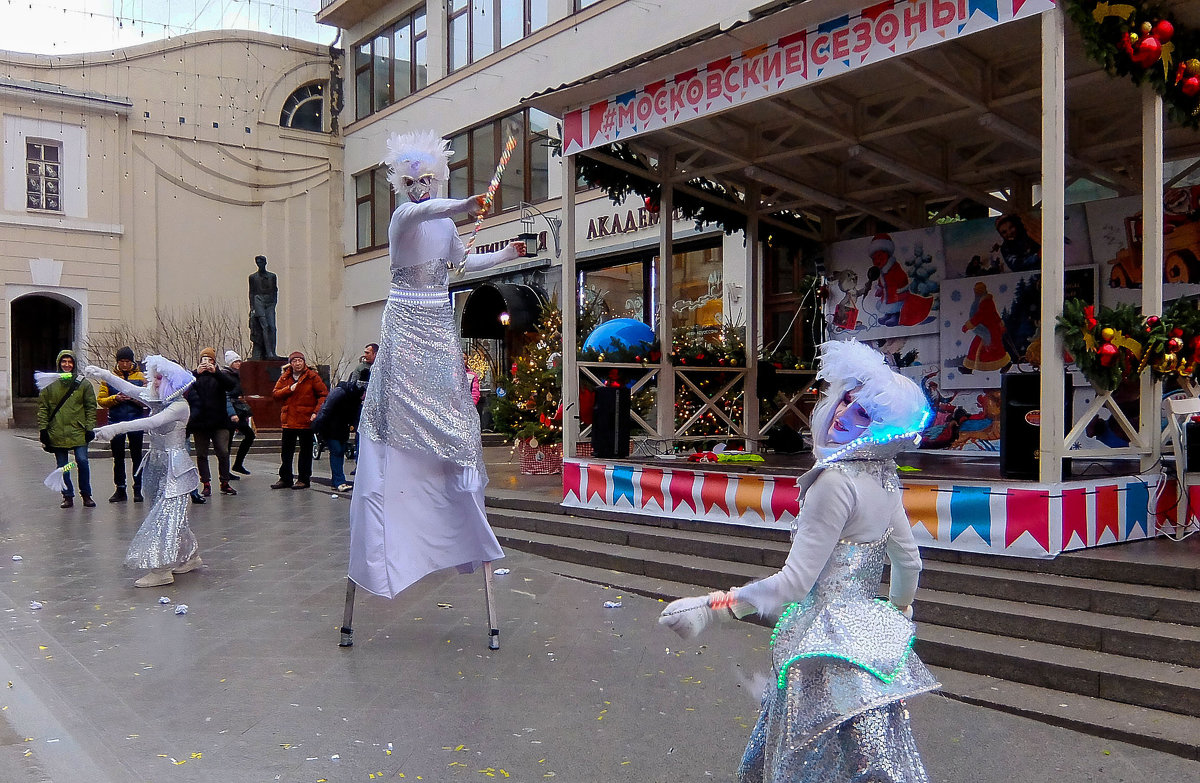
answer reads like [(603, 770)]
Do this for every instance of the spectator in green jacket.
[(66, 417)]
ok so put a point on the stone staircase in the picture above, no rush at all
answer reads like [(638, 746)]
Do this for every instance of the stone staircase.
[(1099, 642)]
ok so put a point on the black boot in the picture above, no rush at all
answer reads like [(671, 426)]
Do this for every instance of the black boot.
[(240, 468), (119, 496), (197, 498), (137, 495)]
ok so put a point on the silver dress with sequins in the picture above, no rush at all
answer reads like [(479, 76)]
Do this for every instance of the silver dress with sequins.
[(843, 665), (418, 504), (168, 475)]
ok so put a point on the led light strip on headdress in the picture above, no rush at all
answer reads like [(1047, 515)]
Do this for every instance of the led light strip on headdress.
[(875, 440)]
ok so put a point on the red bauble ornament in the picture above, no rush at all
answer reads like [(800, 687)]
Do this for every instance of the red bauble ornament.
[(1163, 31), (1174, 345), (1190, 86), (514, 369), (1148, 52), (652, 205), (1177, 332), (1107, 352), (1152, 320)]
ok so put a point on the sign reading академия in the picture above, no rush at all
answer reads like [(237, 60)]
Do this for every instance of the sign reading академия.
[(884, 30)]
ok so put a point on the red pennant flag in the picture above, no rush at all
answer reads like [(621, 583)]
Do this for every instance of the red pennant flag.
[(712, 492), (597, 482), (1074, 517), (1107, 514), (573, 129), (1027, 511), (680, 489), (596, 119), (1166, 507), (651, 481), (571, 478), (785, 498)]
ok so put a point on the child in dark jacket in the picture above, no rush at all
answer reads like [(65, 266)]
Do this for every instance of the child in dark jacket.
[(334, 422)]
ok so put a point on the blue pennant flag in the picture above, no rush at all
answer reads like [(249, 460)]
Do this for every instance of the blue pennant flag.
[(970, 507), (622, 483)]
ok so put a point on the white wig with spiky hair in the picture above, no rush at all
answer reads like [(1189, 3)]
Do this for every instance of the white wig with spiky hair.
[(417, 154), (175, 379), (896, 404)]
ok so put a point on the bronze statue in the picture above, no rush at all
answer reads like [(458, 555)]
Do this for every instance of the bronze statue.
[(264, 295)]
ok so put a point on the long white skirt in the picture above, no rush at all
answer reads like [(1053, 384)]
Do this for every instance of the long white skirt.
[(408, 518)]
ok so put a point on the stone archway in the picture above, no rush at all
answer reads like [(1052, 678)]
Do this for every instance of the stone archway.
[(40, 326)]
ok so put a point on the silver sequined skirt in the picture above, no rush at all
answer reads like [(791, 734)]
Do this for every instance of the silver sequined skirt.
[(418, 399), (843, 667), (164, 539)]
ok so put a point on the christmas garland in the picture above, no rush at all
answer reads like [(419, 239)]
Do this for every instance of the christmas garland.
[(1173, 342), (1142, 41), (1107, 345), (692, 347)]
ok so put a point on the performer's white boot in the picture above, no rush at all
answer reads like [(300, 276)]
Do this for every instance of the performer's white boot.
[(155, 578)]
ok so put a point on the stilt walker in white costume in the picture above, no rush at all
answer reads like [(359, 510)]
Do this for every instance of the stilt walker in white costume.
[(418, 493), (165, 544), (842, 661)]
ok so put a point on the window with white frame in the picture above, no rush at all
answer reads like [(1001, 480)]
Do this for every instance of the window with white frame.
[(374, 202), (527, 176), (43, 175), (390, 65), (476, 28)]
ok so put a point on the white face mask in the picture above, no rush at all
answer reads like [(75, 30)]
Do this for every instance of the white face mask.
[(419, 188)]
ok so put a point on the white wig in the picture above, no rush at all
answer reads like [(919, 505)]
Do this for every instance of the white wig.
[(417, 154), (896, 404), (175, 379)]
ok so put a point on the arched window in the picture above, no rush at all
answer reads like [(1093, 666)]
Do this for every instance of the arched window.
[(304, 108)]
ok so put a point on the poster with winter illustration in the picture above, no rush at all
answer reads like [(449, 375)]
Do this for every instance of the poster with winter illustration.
[(1010, 243), (914, 355), (963, 419), (1115, 226), (990, 323), (885, 286)]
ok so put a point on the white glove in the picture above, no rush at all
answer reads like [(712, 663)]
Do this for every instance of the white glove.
[(687, 616), (107, 432), (92, 371)]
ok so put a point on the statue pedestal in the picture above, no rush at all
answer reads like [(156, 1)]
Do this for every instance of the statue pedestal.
[(258, 382)]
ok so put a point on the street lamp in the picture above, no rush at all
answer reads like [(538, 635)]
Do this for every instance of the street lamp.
[(529, 236)]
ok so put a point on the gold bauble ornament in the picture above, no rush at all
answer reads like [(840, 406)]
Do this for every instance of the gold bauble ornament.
[(1192, 67), (1107, 334), (1168, 363), (1133, 39), (1147, 28)]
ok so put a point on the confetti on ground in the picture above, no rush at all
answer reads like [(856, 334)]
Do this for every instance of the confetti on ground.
[(445, 606), (162, 599), (501, 571), (35, 605), (17, 558), (612, 604), (181, 609)]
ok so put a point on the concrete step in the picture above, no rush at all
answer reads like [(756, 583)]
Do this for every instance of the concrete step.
[(1118, 678), (1132, 637), (1158, 730), (1145, 602)]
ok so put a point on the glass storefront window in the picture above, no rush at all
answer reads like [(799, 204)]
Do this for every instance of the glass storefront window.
[(614, 292), (696, 289)]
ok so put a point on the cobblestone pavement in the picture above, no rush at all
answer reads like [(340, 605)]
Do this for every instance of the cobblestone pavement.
[(106, 684)]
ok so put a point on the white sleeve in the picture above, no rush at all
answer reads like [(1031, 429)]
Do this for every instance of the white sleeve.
[(409, 214), (827, 507), (477, 262), (116, 382), (905, 558)]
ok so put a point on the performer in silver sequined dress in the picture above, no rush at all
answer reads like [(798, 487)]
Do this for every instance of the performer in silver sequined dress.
[(418, 494), (842, 661), (164, 544)]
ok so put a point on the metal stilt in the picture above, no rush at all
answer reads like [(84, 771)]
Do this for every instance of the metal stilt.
[(493, 629), (348, 617)]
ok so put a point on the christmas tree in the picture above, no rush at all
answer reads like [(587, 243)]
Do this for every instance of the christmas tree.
[(527, 405)]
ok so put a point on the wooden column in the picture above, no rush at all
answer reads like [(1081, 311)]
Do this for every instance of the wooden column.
[(665, 392), (753, 299), (570, 312), (1152, 260), (1053, 428)]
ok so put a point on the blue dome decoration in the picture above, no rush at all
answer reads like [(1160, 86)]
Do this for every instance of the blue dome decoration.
[(617, 334)]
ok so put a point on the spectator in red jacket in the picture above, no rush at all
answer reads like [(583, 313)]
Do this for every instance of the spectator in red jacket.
[(301, 392)]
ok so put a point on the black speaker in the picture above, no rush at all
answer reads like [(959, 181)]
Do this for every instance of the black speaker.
[(610, 422), (1020, 396), (1191, 442)]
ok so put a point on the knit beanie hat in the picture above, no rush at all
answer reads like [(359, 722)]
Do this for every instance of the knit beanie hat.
[(231, 357), (210, 353), (295, 355), (125, 353)]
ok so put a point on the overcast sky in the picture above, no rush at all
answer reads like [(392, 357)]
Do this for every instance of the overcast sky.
[(75, 26)]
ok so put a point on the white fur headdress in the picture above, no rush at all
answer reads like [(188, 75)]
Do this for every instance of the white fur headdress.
[(415, 155), (896, 404), (175, 379)]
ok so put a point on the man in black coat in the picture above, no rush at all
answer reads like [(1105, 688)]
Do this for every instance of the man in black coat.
[(334, 421), (209, 422)]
